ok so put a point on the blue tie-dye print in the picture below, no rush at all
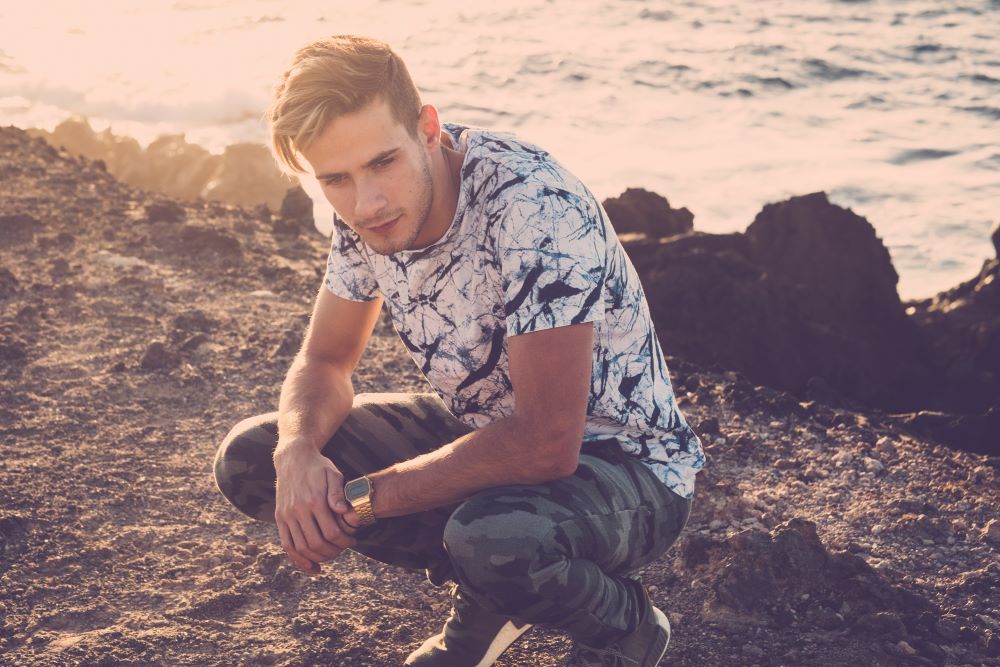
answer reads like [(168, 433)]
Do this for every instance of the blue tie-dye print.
[(530, 248)]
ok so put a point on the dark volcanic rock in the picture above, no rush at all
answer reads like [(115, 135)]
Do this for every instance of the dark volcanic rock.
[(158, 357), (165, 211), (199, 238), (643, 212), (8, 283), (834, 256), (962, 329), (805, 300), (788, 575), (976, 433), (18, 228), (296, 211)]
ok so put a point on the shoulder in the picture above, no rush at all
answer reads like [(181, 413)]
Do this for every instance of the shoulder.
[(513, 175)]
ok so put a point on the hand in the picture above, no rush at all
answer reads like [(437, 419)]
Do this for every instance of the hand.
[(309, 502)]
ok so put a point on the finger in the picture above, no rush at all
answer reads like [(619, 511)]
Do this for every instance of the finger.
[(315, 543), (335, 492), (347, 527), (301, 545), (298, 560), (333, 532)]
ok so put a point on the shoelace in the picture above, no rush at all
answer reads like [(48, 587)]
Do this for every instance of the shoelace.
[(586, 656)]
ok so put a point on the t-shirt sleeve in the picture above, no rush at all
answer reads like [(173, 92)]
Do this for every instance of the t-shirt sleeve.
[(348, 273), (552, 248)]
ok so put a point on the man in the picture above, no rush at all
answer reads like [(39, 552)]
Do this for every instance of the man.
[(557, 462)]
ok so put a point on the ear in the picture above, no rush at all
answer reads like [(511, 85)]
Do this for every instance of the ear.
[(429, 127)]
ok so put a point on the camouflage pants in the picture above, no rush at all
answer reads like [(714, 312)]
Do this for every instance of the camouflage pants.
[(555, 554)]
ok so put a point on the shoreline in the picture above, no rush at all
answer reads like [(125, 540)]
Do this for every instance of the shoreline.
[(136, 330), (242, 173)]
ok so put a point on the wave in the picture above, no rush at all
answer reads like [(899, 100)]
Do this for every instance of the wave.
[(821, 69), (920, 155), (990, 112), (244, 174)]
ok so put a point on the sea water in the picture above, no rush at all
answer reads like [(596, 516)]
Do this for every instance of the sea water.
[(890, 106)]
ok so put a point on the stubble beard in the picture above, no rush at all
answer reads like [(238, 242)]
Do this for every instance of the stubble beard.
[(425, 199)]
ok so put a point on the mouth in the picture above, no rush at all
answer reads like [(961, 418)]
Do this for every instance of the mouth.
[(385, 227)]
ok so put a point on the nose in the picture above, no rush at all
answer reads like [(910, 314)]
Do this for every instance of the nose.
[(369, 202)]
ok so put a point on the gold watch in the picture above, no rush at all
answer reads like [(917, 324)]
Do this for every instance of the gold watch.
[(360, 493)]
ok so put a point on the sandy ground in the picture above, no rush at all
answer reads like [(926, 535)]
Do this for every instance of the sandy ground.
[(134, 332)]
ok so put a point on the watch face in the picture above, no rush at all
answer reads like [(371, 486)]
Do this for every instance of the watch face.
[(356, 489)]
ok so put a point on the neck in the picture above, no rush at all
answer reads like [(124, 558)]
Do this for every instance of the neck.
[(446, 174)]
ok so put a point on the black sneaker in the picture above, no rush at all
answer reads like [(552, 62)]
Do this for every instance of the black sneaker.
[(643, 647), (472, 637)]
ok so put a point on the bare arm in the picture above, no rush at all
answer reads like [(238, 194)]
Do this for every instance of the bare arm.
[(550, 371), (316, 397)]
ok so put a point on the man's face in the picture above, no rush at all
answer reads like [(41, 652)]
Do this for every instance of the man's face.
[(376, 175)]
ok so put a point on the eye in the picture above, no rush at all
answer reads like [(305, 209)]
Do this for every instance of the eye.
[(383, 163), (333, 180)]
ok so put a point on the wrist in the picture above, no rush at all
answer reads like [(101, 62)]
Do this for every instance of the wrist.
[(293, 449)]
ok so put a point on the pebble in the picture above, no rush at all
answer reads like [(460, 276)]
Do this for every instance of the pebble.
[(842, 458), (716, 524), (904, 648), (991, 532), (885, 446), (872, 465)]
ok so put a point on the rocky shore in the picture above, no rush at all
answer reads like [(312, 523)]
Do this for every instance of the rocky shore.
[(834, 525)]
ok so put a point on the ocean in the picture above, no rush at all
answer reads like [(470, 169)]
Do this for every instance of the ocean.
[(890, 106)]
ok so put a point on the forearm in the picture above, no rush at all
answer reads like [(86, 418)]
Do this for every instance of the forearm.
[(502, 453), (316, 397)]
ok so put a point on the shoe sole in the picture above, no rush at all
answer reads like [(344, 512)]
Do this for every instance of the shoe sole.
[(663, 622), (507, 635)]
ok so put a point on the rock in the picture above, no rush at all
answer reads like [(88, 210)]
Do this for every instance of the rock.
[(872, 465), (996, 240), (975, 433), (993, 643), (8, 283), (290, 342), (202, 239), (754, 574), (825, 618), (991, 532), (18, 229), (949, 628), (804, 301), (640, 211), (903, 648), (245, 174), (165, 210), (885, 447), (192, 320), (842, 458), (13, 350), (297, 207), (962, 326), (157, 357), (708, 426), (884, 624)]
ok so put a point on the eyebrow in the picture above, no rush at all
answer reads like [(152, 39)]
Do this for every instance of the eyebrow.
[(368, 165)]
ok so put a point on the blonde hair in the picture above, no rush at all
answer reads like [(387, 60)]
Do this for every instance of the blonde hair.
[(332, 77)]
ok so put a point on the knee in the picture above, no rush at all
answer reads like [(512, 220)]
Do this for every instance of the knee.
[(494, 536), (243, 468)]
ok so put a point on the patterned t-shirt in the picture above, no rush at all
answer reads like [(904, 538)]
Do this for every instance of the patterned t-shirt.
[(530, 248)]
